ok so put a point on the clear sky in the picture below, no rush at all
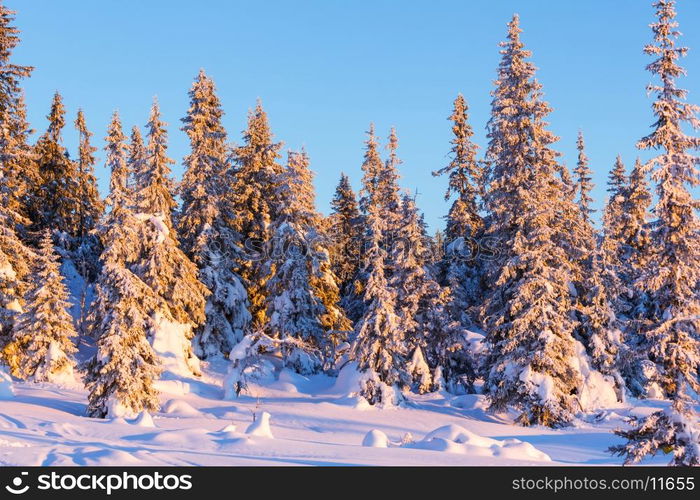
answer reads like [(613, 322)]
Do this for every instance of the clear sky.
[(325, 69)]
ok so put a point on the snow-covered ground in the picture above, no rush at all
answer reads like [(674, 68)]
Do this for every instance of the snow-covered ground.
[(298, 421)]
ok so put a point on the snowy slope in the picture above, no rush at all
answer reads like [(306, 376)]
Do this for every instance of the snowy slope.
[(312, 422)]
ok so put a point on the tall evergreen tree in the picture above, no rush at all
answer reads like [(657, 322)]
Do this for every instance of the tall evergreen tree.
[(17, 170), (379, 347), (583, 180), (254, 204), (672, 276), (137, 155), (56, 200), (346, 231), (464, 222), (465, 177), (527, 316), (91, 207), (120, 376), (302, 296), (162, 265), (154, 194), (43, 347), (16, 163), (15, 260), (388, 189), (204, 223)]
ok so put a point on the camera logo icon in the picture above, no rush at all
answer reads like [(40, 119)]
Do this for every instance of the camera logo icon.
[(16, 488)]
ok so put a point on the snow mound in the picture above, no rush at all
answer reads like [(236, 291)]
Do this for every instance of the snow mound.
[(175, 387), (180, 408), (261, 426), (144, 420), (229, 428), (118, 421), (117, 411), (597, 390), (170, 341), (108, 457), (180, 438), (7, 388), (456, 439), (470, 402), (375, 439)]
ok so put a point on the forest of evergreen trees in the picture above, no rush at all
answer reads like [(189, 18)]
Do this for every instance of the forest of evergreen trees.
[(234, 260)]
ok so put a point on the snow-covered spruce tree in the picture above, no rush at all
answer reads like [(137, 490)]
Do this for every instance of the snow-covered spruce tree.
[(583, 180), (430, 334), (119, 230), (253, 201), (598, 327), (379, 348), (465, 177), (460, 269), (613, 213), (42, 337), (15, 261), (672, 276), (203, 225), (389, 192), (345, 232), (371, 168), (16, 162), (121, 374), (91, 205), (634, 244), (154, 187), (293, 310), (527, 314), (162, 264), (137, 155), (56, 199)]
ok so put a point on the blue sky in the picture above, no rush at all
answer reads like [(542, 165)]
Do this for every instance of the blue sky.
[(325, 69)]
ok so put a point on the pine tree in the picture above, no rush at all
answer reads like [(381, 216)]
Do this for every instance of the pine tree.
[(92, 207), (162, 265), (583, 180), (292, 308), (154, 194), (253, 201), (16, 165), (424, 320), (301, 292), (389, 191), (672, 275), (43, 347), (121, 374), (379, 347), (119, 230), (15, 260), (527, 316), (17, 172), (137, 155), (465, 177), (464, 222), (346, 230), (56, 199), (205, 236)]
